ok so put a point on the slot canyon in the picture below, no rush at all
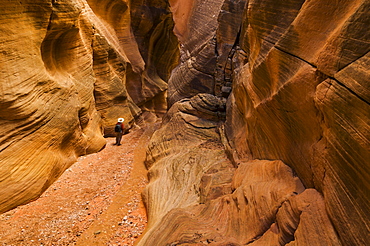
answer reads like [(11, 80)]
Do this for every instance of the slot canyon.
[(251, 117)]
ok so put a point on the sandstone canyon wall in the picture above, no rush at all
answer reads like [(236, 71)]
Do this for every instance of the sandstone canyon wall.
[(69, 69), (267, 138)]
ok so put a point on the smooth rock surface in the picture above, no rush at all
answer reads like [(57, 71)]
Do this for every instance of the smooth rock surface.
[(68, 70), (299, 77), (266, 141), (300, 100)]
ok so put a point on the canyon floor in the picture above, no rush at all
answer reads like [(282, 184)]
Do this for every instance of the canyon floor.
[(97, 201)]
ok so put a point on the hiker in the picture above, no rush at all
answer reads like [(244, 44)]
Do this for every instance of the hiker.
[(119, 131)]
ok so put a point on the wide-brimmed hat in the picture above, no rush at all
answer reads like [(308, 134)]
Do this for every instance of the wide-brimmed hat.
[(121, 119)]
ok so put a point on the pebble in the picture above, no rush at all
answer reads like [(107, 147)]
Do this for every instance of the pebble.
[(67, 220)]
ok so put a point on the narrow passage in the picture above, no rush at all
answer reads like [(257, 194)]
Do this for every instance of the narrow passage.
[(97, 201)]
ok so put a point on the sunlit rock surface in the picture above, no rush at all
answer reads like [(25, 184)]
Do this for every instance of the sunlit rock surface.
[(268, 206), (68, 70), (295, 77), (301, 97), (180, 154), (266, 141)]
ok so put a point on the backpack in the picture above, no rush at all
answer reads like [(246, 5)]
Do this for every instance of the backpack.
[(118, 128)]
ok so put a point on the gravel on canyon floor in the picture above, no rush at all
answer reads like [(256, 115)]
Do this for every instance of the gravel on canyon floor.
[(97, 201)]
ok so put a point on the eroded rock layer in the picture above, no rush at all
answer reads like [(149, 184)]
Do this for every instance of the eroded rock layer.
[(299, 101), (267, 138), (197, 196), (68, 70), (296, 78)]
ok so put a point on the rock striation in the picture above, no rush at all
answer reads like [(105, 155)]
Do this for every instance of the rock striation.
[(69, 69), (265, 103), (296, 99), (295, 78)]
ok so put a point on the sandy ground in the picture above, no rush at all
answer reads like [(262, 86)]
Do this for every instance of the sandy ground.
[(97, 201)]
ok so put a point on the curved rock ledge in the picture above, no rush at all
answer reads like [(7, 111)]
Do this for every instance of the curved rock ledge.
[(261, 91), (196, 196), (68, 72), (295, 76)]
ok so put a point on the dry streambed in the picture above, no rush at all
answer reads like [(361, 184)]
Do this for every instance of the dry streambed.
[(97, 201)]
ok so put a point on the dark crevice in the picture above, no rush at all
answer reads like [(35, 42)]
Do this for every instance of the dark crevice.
[(350, 90), (300, 58), (358, 58), (216, 47), (328, 76), (324, 175), (197, 127), (274, 221)]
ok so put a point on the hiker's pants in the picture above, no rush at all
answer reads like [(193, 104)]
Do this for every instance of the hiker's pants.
[(118, 137)]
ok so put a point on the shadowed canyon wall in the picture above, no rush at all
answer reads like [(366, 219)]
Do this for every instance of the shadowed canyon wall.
[(267, 138), (307, 83), (69, 69)]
